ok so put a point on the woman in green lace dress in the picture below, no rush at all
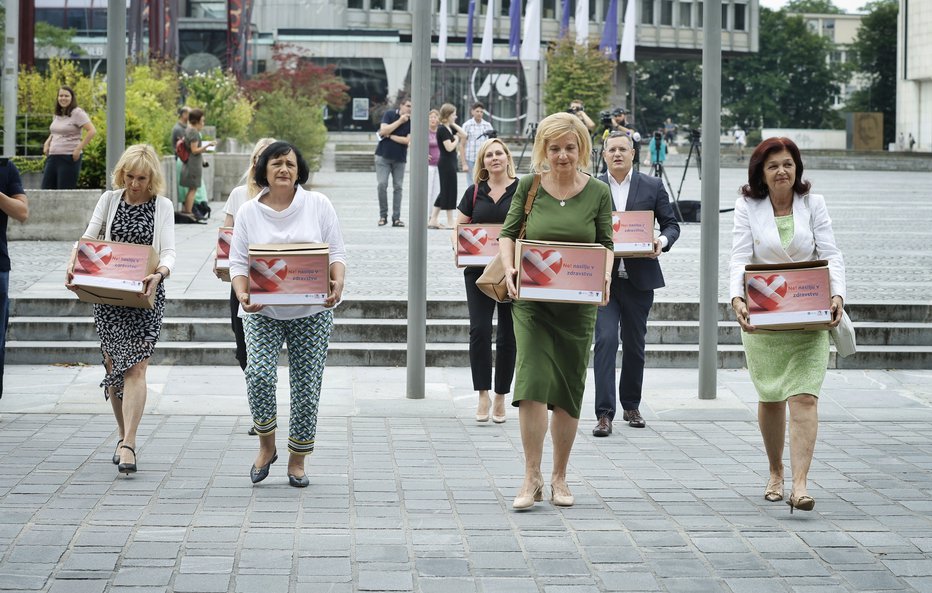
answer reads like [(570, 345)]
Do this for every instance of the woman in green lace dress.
[(777, 220), (553, 339)]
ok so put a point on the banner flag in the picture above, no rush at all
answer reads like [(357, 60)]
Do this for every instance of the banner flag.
[(609, 44), (442, 42), (469, 18), (627, 37), (564, 18), (485, 53), (514, 33), (582, 22), (530, 45)]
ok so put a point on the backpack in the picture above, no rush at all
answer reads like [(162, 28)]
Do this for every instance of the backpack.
[(181, 150)]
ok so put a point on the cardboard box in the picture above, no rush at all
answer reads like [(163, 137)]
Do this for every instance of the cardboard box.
[(111, 273), (633, 233), (222, 257), (476, 244), (289, 274), (789, 296), (552, 271)]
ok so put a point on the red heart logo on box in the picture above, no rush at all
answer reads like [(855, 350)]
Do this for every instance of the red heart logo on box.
[(473, 240), (541, 267), (268, 275), (93, 258), (616, 223), (223, 245), (767, 292)]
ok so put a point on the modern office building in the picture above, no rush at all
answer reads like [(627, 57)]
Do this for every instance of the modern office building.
[(841, 30), (369, 44), (914, 74)]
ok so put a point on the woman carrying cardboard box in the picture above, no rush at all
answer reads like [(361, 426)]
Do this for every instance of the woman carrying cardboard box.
[(487, 201), (284, 212), (133, 212), (777, 220), (554, 339)]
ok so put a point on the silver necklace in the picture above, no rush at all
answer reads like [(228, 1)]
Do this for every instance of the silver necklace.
[(567, 194)]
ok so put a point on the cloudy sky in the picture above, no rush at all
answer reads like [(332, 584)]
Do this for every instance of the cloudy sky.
[(850, 6)]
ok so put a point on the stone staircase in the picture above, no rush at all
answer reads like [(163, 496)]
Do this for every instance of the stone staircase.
[(374, 332)]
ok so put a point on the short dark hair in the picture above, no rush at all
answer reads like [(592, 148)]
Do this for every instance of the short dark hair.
[(275, 150), (66, 111), (183, 110), (756, 188), (195, 115), (477, 105)]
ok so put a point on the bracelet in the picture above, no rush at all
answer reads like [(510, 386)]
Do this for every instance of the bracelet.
[(161, 275)]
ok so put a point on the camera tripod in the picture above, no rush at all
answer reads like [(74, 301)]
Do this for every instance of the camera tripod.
[(657, 170), (695, 144), (529, 137)]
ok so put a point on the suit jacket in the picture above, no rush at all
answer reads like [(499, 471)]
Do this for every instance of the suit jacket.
[(757, 241), (647, 193)]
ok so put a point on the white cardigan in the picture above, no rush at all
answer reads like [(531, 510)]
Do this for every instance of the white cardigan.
[(163, 239), (757, 241)]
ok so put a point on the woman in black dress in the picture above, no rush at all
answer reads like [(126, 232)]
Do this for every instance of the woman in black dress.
[(132, 213), (488, 201), (449, 137)]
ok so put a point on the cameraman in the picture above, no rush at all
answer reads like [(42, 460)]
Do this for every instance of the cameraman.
[(577, 109), (477, 131), (619, 124)]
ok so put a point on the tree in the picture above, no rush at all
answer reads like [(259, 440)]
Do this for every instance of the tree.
[(224, 103), (296, 75), (788, 84), (875, 59), (668, 88), (812, 7), (577, 72), (60, 40)]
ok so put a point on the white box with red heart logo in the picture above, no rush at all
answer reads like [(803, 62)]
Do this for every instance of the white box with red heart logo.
[(112, 273), (633, 233), (476, 244), (289, 274), (789, 296), (552, 271), (222, 256)]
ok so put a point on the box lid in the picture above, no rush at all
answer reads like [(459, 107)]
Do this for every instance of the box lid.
[(285, 248), (799, 265)]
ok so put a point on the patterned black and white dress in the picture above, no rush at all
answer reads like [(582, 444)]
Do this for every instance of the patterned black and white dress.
[(127, 335)]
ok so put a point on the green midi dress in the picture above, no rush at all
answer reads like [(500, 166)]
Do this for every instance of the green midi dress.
[(554, 339), (788, 363)]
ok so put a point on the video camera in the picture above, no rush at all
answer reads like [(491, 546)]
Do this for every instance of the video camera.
[(490, 134), (695, 134), (605, 118)]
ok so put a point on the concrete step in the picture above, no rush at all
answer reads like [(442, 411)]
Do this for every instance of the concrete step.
[(216, 329), (355, 161), (380, 308), (438, 355)]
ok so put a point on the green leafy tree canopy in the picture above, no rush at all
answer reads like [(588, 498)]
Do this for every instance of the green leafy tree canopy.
[(875, 59), (577, 72), (813, 7)]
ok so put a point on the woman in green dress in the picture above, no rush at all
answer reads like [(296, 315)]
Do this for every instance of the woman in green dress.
[(777, 220), (553, 339)]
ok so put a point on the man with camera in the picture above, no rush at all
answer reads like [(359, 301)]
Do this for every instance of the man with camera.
[(577, 109), (632, 289), (477, 131)]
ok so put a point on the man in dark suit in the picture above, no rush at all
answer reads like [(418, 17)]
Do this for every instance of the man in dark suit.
[(632, 289)]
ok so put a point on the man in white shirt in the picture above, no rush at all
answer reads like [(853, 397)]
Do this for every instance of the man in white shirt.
[(741, 141), (632, 290), (477, 131)]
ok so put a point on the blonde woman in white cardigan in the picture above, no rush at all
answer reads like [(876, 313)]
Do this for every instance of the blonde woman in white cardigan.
[(134, 212), (777, 220)]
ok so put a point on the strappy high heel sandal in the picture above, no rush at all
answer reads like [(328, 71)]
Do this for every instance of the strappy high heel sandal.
[(803, 503), (116, 453)]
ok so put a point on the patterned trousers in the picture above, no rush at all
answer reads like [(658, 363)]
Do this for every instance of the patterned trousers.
[(308, 339)]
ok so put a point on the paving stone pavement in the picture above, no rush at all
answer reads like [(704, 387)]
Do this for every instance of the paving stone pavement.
[(412, 495)]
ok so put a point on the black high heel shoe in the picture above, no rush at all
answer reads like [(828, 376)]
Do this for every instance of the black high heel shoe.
[(257, 474), (116, 453), (295, 481), (128, 468)]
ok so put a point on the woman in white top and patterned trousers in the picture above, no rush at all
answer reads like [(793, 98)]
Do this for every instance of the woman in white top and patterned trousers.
[(285, 213)]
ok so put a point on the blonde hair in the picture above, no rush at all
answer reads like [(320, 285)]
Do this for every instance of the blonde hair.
[(446, 110), (551, 128), (144, 159), (510, 170), (252, 188)]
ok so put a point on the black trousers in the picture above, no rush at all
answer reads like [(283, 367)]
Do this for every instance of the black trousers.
[(61, 172), (238, 330), (481, 309), (625, 317)]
